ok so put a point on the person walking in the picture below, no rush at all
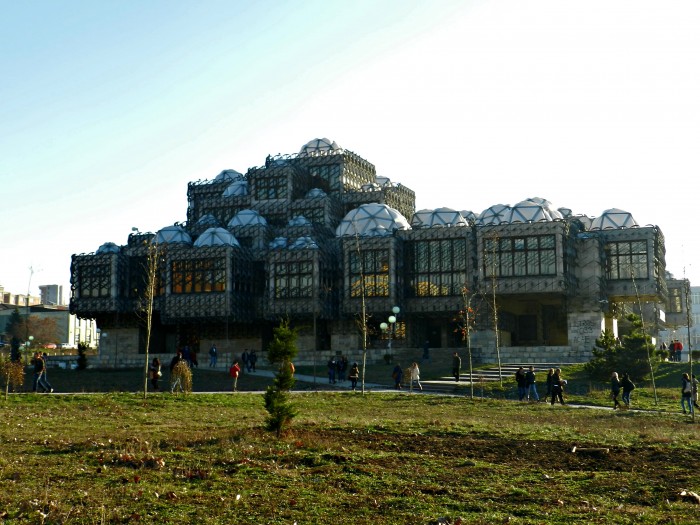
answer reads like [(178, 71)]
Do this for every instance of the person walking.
[(627, 387), (521, 380), (39, 369), (686, 393), (615, 385), (397, 375), (234, 372), (558, 387), (550, 375), (245, 360), (456, 366), (414, 372), (695, 391), (155, 373), (354, 376), (253, 358), (176, 380), (213, 356), (531, 380)]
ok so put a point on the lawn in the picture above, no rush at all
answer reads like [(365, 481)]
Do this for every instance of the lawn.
[(389, 458)]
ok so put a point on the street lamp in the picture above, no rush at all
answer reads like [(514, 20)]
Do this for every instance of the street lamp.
[(390, 328)]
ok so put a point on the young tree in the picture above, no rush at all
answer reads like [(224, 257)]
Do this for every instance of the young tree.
[(149, 290), (12, 374), (634, 354), (281, 351), (465, 320)]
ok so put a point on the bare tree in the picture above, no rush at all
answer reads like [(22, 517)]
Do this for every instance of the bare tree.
[(494, 305), (152, 267), (465, 320)]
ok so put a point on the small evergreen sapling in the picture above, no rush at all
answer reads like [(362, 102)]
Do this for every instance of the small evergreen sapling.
[(281, 351)]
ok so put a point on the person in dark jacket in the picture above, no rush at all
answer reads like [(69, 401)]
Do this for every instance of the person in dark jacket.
[(558, 387), (550, 374), (627, 387), (686, 393), (397, 375), (531, 380), (521, 380), (456, 366)]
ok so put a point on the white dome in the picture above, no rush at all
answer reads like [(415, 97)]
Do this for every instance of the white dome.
[(236, 189), (216, 237), (437, 218), (247, 218), (493, 215), (208, 220), (228, 175), (298, 220), (384, 181), (277, 243), (468, 215), (613, 219), (315, 192), (173, 235), (108, 247), (303, 243), (531, 210), (371, 220), (565, 212), (319, 146)]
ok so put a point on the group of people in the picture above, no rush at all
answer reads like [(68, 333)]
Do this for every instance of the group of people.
[(411, 374), (624, 385), (337, 369), (527, 385), (675, 350), (248, 360)]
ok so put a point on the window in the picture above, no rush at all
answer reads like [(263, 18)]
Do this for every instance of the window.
[(436, 268), (675, 305), (94, 280), (292, 280), (695, 297), (374, 266), (199, 275), (274, 187), (520, 256), (627, 260), (325, 177)]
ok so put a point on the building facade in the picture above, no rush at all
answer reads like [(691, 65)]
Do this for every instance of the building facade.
[(319, 238), (51, 294)]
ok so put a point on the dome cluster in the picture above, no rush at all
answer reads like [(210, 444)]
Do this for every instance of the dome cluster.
[(368, 220)]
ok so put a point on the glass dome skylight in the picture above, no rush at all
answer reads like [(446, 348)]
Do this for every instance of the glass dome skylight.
[(173, 235), (247, 218), (216, 237), (613, 219), (372, 220)]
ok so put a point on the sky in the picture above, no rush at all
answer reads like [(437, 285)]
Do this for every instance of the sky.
[(108, 109)]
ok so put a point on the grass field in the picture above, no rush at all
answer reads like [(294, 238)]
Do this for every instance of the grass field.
[(389, 458)]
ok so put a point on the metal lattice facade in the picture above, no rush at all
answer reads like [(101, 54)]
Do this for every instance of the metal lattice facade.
[(310, 237)]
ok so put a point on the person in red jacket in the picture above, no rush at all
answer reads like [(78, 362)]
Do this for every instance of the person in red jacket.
[(234, 372)]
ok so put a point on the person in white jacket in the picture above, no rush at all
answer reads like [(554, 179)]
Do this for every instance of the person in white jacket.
[(414, 376)]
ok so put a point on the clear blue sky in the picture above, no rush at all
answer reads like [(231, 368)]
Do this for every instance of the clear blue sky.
[(109, 108)]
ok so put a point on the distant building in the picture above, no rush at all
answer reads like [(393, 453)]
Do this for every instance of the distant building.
[(9, 298), (316, 236), (681, 324), (70, 329), (52, 294)]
